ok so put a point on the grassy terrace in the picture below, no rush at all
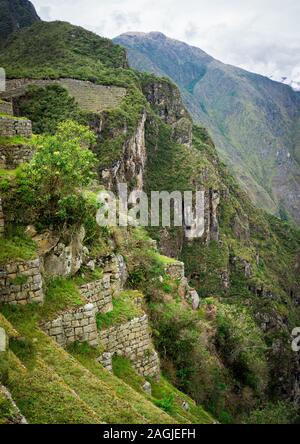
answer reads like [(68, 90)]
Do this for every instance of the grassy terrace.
[(164, 395), (51, 386), (7, 116), (16, 248), (125, 309), (16, 140)]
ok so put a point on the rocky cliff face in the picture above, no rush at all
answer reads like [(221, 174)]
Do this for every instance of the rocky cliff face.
[(167, 103), (130, 167), (16, 14), (253, 120)]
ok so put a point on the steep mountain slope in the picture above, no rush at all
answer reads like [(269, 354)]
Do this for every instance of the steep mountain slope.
[(253, 120), (15, 14), (227, 346)]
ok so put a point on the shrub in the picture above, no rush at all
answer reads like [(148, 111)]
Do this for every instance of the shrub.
[(177, 338), (241, 345), (50, 185), (48, 107), (274, 413), (166, 403)]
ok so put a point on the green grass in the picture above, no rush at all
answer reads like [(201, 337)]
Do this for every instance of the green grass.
[(7, 116), (162, 392), (86, 275), (164, 260), (125, 309), (15, 140), (51, 386), (140, 401), (8, 411), (61, 294), (16, 248)]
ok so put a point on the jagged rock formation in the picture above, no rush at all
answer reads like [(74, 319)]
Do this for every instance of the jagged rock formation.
[(131, 165), (167, 103), (66, 256)]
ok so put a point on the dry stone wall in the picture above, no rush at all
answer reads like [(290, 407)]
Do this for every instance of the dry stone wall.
[(89, 96), (6, 108), (99, 293), (1, 219), (10, 127), (133, 341), (21, 282), (74, 325), (80, 324), (12, 156)]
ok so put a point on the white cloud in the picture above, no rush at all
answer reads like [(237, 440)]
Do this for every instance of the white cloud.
[(259, 35)]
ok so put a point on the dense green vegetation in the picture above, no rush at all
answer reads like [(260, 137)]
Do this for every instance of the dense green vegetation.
[(15, 14), (47, 107), (58, 49), (125, 309), (50, 185)]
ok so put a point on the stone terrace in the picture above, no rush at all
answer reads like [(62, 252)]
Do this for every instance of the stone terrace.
[(21, 282), (89, 96), (11, 126), (132, 340)]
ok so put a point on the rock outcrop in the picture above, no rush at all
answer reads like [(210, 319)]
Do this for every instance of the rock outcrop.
[(15, 416), (66, 258), (16, 14), (165, 99), (131, 164)]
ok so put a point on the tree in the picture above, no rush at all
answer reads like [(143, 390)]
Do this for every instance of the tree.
[(51, 184)]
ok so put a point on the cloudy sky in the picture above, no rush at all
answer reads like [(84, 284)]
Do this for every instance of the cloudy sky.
[(262, 36)]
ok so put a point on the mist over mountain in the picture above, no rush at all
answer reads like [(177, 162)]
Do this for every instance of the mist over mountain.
[(254, 121)]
